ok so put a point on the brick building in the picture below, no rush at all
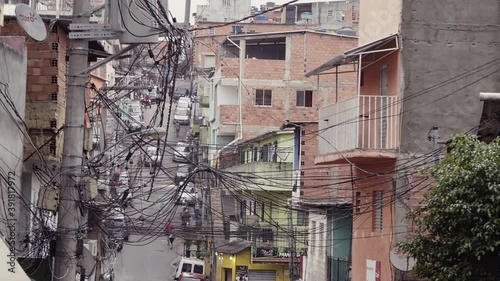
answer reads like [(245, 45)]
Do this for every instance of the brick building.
[(405, 106), (270, 83)]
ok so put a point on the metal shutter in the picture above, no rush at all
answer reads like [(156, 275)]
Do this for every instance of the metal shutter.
[(262, 275)]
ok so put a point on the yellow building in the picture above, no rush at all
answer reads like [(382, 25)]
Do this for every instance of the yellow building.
[(235, 259)]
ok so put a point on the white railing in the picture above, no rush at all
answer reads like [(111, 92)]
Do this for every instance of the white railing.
[(363, 122)]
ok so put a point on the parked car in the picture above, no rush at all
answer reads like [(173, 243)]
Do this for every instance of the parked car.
[(185, 100), (182, 153), (181, 116), (189, 266), (188, 196), (178, 93), (153, 157), (182, 173)]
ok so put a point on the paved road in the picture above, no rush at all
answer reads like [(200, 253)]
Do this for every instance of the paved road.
[(146, 256)]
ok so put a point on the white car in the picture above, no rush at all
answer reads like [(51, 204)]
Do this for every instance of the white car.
[(182, 152), (181, 116), (152, 157), (184, 100)]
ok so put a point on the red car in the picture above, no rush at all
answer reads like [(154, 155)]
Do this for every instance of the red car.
[(191, 277)]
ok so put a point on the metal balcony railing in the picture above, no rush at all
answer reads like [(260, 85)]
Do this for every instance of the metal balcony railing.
[(362, 122)]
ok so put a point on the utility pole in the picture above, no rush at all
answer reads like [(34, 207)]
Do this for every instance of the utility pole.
[(213, 258), (187, 11), (70, 212), (291, 243)]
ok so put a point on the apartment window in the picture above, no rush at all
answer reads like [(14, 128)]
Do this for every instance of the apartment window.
[(211, 31), (53, 79), (304, 98), (53, 63), (330, 13), (249, 208), (255, 154), (302, 218), (358, 203), (53, 124), (263, 97), (321, 235), (265, 153), (54, 46), (313, 237), (53, 146), (377, 210), (54, 28), (53, 97), (262, 211)]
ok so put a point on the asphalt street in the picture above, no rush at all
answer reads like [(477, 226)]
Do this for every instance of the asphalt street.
[(147, 256)]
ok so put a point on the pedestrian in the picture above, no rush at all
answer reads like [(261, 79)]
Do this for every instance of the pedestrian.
[(171, 239), (177, 128), (170, 227)]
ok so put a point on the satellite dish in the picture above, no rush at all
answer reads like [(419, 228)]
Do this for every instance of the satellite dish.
[(401, 261), (31, 22)]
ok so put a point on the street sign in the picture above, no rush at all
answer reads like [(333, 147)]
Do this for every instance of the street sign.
[(31, 22), (94, 34), (89, 26)]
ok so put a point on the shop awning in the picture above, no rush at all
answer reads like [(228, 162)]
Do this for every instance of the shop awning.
[(353, 54), (234, 247)]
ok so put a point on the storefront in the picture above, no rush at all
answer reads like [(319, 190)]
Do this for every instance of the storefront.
[(235, 263)]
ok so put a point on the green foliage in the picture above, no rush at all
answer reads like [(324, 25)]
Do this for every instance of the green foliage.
[(458, 231)]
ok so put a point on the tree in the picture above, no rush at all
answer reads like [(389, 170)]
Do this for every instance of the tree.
[(458, 228)]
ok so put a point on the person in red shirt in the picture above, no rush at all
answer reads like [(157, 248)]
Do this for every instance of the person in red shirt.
[(170, 227)]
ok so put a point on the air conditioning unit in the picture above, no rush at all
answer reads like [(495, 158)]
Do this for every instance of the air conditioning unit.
[(91, 245)]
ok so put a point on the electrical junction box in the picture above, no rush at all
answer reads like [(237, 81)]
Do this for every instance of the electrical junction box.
[(91, 245), (134, 21), (48, 199)]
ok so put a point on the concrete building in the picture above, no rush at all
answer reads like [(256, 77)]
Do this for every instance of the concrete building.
[(330, 15), (420, 67), (13, 204), (223, 11)]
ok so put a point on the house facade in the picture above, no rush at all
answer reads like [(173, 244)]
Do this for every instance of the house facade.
[(259, 210), (415, 89), (258, 82)]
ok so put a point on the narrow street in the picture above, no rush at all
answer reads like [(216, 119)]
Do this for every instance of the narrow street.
[(147, 256)]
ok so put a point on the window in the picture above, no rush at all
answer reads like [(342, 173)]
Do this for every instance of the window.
[(198, 269), (330, 13), (211, 31), (255, 154), (54, 28), (262, 211), (186, 267), (53, 63), (53, 80), (265, 153), (54, 46), (302, 218), (53, 124), (53, 146), (358, 202), (53, 97), (263, 97), (377, 210), (321, 235), (304, 99), (313, 237)]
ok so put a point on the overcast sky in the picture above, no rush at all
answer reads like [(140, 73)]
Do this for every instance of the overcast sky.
[(177, 6)]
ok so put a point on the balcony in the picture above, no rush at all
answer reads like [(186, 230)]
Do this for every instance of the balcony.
[(269, 176), (359, 129)]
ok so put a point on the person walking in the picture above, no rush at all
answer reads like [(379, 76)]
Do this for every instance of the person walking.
[(177, 128), (171, 239)]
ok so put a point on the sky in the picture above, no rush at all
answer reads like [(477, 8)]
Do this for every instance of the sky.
[(177, 6)]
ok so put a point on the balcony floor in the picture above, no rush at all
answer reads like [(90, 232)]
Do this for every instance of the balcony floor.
[(356, 156)]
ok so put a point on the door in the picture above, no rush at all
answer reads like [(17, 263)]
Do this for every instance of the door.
[(228, 273), (383, 107), (262, 275)]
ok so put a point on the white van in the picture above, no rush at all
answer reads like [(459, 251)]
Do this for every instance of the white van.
[(190, 265)]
